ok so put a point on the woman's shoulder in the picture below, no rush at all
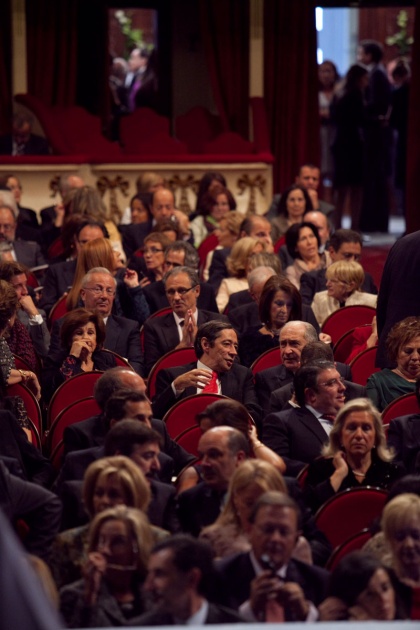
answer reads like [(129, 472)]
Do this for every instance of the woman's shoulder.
[(383, 376)]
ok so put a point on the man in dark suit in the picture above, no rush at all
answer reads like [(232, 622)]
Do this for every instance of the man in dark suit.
[(65, 184), (343, 245), (314, 351), (267, 584), (222, 450), (293, 338), (215, 346), (28, 253), (298, 434), (177, 329), (59, 277), (122, 334), (180, 578), (22, 141), (179, 254), (92, 432)]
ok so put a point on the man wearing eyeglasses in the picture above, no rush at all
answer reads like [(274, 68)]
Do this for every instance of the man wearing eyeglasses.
[(122, 335), (299, 434), (27, 253), (177, 329)]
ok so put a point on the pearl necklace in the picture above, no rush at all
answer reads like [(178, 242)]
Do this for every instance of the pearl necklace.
[(357, 474)]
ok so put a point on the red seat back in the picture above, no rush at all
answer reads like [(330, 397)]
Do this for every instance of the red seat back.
[(269, 358), (74, 389), (345, 318), (209, 243), (401, 406), (349, 512), (189, 440), (343, 346), (353, 543), (363, 366), (173, 358), (31, 404), (160, 313), (75, 412), (58, 310), (181, 416), (279, 243)]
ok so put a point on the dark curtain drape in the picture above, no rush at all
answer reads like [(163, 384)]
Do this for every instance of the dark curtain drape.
[(67, 52), (290, 86), (5, 68), (225, 36), (413, 145)]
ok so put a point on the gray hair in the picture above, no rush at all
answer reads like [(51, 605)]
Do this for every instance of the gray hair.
[(260, 274), (310, 333), (191, 259), (86, 278), (191, 273)]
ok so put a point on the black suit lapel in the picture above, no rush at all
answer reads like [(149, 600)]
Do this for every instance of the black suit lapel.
[(313, 425), (112, 332), (170, 330)]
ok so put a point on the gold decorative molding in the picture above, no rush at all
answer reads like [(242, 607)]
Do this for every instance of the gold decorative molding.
[(104, 184), (247, 181), (177, 182)]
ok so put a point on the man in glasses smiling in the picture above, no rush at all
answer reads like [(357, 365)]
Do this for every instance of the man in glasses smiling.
[(177, 329)]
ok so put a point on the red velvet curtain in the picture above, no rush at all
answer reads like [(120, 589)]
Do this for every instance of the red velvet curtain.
[(291, 86), (225, 34), (52, 42), (5, 68), (413, 148)]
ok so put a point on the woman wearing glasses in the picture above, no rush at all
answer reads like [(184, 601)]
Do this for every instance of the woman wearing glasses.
[(82, 336), (356, 455)]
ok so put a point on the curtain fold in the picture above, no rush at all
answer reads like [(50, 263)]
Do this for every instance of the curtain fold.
[(5, 68), (291, 86), (225, 35), (413, 144)]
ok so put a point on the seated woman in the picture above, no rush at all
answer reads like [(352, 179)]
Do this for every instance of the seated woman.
[(82, 335), (233, 414), (227, 235), (403, 347), (237, 265), (150, 267), (215, 205), (344, 281), (361, 589), (303, 242), (140, 209), (109, 594), (129, 300), (280, 302), (294, 202), (356, 455), (108, 482), (401, 526)]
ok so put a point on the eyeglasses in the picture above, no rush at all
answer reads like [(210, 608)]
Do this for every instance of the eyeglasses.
[(99, 290), (6, 227), (333, 382), (152, 250), (180, 291)]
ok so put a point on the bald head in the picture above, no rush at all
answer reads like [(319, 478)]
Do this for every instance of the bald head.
[(321, 222)]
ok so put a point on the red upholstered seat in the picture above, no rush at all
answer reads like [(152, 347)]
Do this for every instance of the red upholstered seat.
[(345, 318), (189, 440), (279, 243), (58, 310), (119, 360), (401, 406), (268, 359), (363, 366), (197, 127), (229, 142), (173, 358), (353, 543), (143, 124), (31, 404), (182, 415), (162, 311), (343, 346), (349, 512), (74, 412), (209, 244), (74, 389)]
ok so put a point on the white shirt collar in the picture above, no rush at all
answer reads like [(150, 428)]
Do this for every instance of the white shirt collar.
[(198, 618)]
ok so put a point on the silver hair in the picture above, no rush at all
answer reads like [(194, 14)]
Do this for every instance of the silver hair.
[(86, 278), (260, 274)]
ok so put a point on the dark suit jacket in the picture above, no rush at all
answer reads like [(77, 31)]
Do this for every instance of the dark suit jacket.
[(156, 297), (91, 432), (269, 380), (161, 334), (198, 507), (280, 397), (47, 217), (404, 438), (237, 383), (218, 269), (313, 281), (158, 617), (122, 336), (58, 280), (247, 316), (28, 253), (36, 145), (237, 574), (296, 435), (398, 297), (133, 236)]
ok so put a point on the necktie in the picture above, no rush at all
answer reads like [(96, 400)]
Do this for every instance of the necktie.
[(181, 323), (212, 387)]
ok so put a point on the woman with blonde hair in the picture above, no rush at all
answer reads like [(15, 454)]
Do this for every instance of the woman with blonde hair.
[(401, 527), (108, 482), (344, 281), (227, 235), (237, 266), (356, 454), (109, 593)]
